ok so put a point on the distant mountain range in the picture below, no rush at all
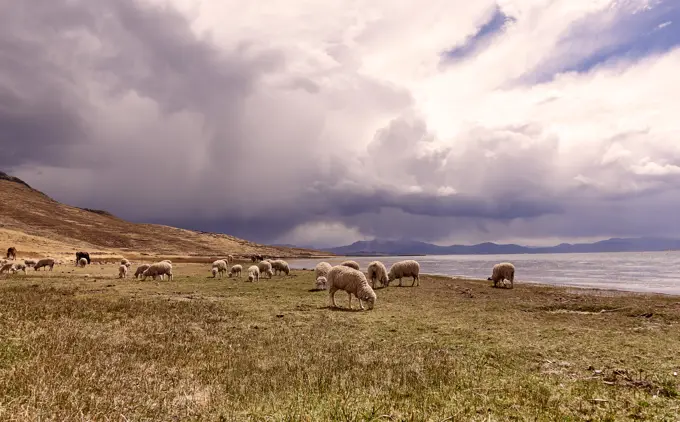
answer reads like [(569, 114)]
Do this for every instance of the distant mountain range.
[(407, 247)]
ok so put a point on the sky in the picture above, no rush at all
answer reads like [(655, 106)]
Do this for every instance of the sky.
[(324, 123)]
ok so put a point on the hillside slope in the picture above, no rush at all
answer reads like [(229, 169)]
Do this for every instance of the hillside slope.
[(36, 224)]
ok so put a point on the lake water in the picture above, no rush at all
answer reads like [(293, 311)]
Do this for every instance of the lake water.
[(657, 272)]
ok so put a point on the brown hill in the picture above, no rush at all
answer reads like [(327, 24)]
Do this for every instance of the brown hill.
[(37, 226)]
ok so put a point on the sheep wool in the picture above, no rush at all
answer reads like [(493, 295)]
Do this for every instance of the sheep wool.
[(30, 262), (214, 271), (82, 262), (236, 269), (501, 272), (353, 282), (253, 273), (221, 266), (351, 264), (265, 267), (125, 262), (158, 269), (407, 268), (141, 269), (322, 269), (123, 271), (377, 273), (7, 267), (45, 262), (280, 266)]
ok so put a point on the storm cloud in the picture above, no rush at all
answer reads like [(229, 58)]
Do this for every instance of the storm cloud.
[(334, 123)]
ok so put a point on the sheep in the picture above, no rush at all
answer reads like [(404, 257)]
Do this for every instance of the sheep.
[(82, 262), (236, 269), (265, 267), (141, 269), (214, 271), (125, 262), (322, 269), (12, 252), (19, 267), (6, 267), (407, 268), (30, 262), (230, 259), (377, 272), (351, 264), (45, 262), (322, 283), (82, 255), (221, 266), (501, 272), (352, 281), (123, 270), (280, 265), (167, 260), (158, 269), (253, 273)]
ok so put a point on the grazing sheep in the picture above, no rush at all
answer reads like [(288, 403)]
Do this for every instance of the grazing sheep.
[(221, 266), (236, 269), (82, 255), (158, 269), (265, 267), (230, 259), (407, 268), (322, 283), (45, 262), (125, 262), (30, 262), (280, 266), (501, 272), (353, 282), (6, 267), (141, 269), (377, 273), (351, 264), (253, 273), (19, 267), (167, 260), (82, 262), (12, 253), (214, 271), (322, 269), (123, 270)]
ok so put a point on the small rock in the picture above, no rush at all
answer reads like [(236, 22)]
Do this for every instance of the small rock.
[(675, 374), (279, 316)]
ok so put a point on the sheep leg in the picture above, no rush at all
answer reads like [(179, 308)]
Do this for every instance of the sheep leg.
[(350, 300), (331, 293), (400, 282), (361, 305)]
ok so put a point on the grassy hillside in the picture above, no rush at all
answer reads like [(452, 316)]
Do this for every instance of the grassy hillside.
[(99, 348), (37, 225)]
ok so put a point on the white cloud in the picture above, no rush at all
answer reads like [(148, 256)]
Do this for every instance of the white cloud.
[(348, 122)]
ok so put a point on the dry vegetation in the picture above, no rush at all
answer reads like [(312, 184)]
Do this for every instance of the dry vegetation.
[(100, 348), (35, 224)]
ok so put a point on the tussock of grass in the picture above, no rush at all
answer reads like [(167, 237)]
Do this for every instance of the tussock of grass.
[(211, 349)]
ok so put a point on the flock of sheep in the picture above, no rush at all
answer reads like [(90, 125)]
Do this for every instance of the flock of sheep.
[(346, 276)]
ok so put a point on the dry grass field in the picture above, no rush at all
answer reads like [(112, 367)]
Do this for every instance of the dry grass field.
[(100, 348)]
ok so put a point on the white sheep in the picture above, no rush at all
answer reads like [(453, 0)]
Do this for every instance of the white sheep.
[(353, 282), (45, 262), (221, 266), (82, 262), (123, 271), (158, 269), (125, 262), (322, 283), (19, 267), (141, 269), (236, 269), (30, 262), (322, 269), (280, 266), (501, 272), (253, 273), (214, 271), (377, 272), (265, 267), (407, 268), (351, 264)]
